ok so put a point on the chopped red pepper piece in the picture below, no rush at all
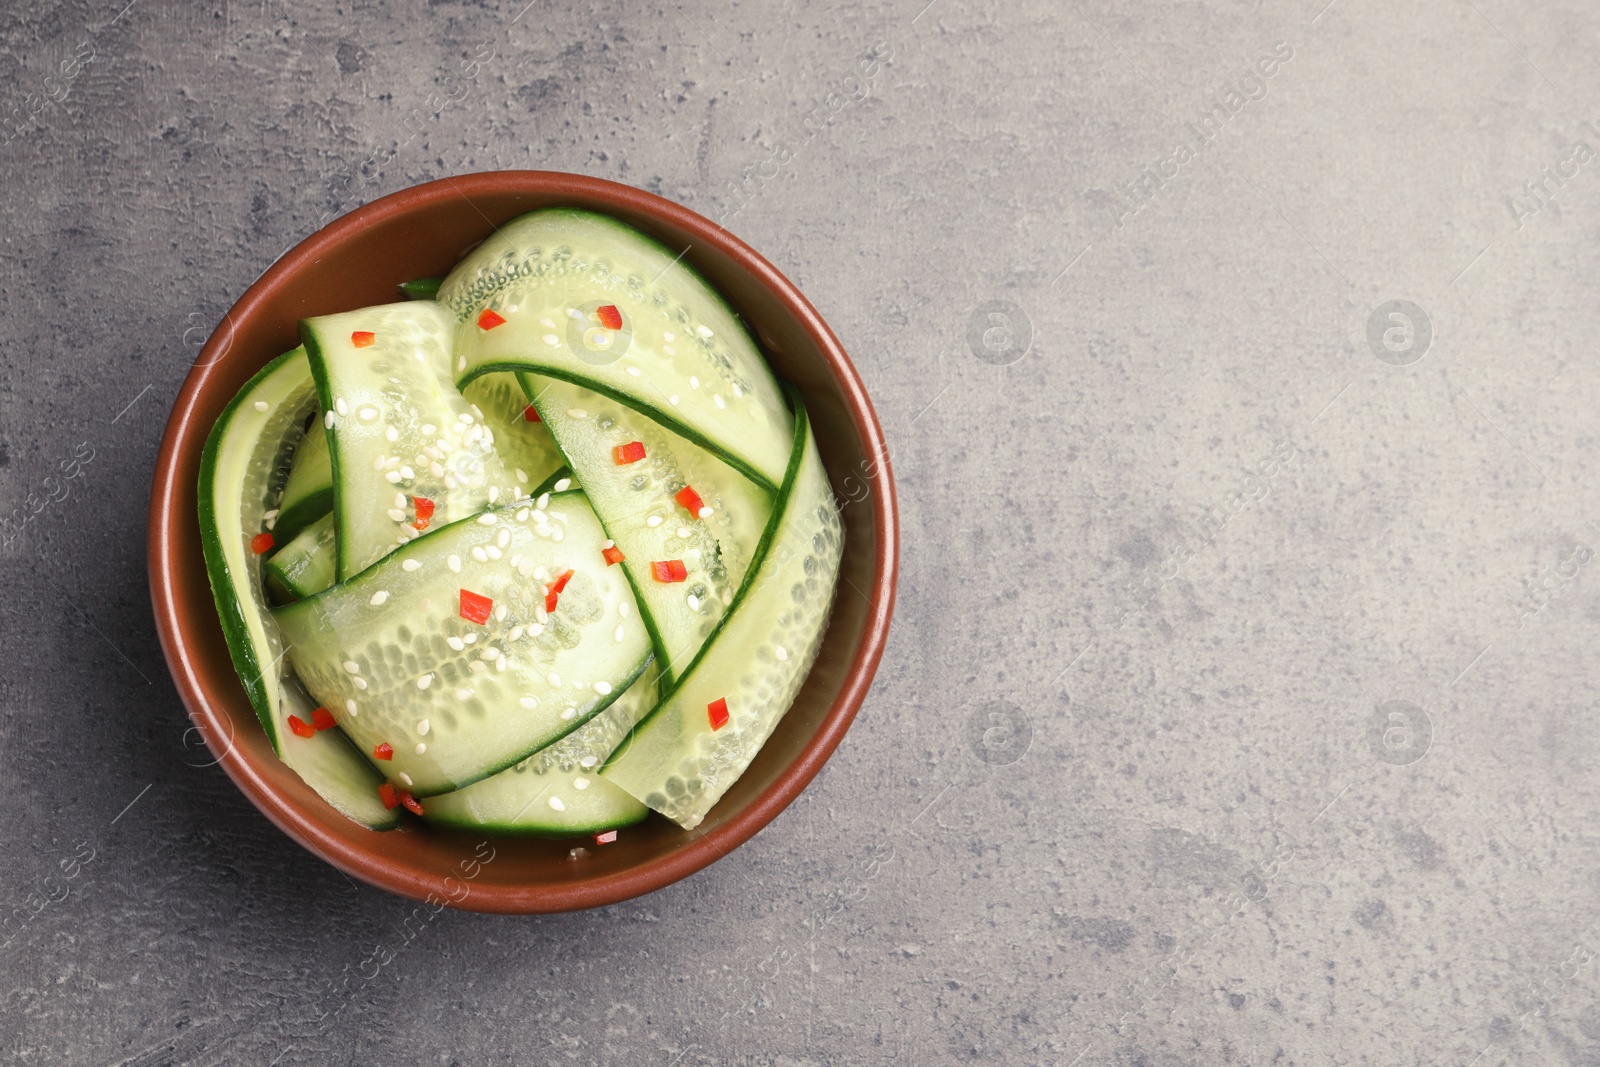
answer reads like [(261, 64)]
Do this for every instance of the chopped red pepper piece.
[(261, 542), (475, 608), (717, 710), (632, 452), (423, 506), (301, 727), (363, 338), (413, 805), (690, 500), (605, 838), (322, 719), (610, 317), (531, 414), (554, 592), (489, 319), (387, 794), (613, 555), (383, 751), (669, 570)]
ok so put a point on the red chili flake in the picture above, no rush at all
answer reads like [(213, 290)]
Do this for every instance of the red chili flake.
[(718, 712), (690, 500), (261, 542), (475, 608), (383, 751), (301, 727), (387, 794), (423, 506), (632, 452), (322, 719), (363, 338), (489, 319), (669, 570), (554, 592), (610, 317), (605, 838), (413, 805), (531, 414), (613, 555)]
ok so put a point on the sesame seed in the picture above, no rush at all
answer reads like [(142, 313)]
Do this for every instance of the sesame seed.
[(694, 383), (542, 502), (399, 500), (494, 494), (486, 519), (479, 554), (393, 477), (620, 633), (529, 702), (422, 747), (407, 473), (555, 803), (703, 513), (668, 335), (352, 666), (694, 602), (350, 706), (780, 653), (522, 476), (436, 469), (492, 552), (553, 678), (378, 598), (455, 643), (716, 398), (327, 420), (500, 663), (588, 761), (488, 654), (603, 688), (391, 434), (516, 632), (570, 713), (500, 613), (547, 324), (703, 330), (396, 514), (379, 461), (673, 399), (653, 521), (550, 339), (262, 405), (341, 407), (461, 364), (561, 487), (683, 532), (580, 783), (471, 639), (410, 564), (634, 371), (462, 694), (577, 413), (503, 538), (422, 728), (453, 561), (429, 429), (368, 413), (425, 681), (624, 610)]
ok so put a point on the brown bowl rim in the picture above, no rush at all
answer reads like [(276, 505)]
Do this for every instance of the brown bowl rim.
[(299, 822)]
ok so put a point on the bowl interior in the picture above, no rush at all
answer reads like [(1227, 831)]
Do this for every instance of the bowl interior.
[(359, 260)]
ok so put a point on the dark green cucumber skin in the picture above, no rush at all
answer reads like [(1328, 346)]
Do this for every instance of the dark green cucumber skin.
[(549, 484), (421, 288), (229, 611), (620, 688), (509, 830), (780, 506), (295, 519)]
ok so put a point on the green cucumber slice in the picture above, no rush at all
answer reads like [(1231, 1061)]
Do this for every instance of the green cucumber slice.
[(682, 354), (241, 470), (397, 428), (526, 448), (420, 288), (675, 762), (390, 655), (556, 792), (308, 494), (303, 567), (635, 502)]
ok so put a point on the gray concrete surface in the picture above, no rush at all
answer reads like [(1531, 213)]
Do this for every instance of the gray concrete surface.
[(1237, 710)]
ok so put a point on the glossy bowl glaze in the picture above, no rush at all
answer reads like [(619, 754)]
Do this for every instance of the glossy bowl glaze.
[(358, 260)]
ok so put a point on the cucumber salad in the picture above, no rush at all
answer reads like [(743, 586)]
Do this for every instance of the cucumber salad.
[(537, 550)]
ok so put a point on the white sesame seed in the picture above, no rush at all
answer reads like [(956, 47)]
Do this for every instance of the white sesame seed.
[(522, 514), (522, 476), (780, 653), (407, 473), (453, 561), (683, 532), (350, 706), (588, 761), (703, 513), (396, 514), (378, 598), (529, 702), (603, 688), (411, 564), (488, 654), (550, 339), (341, 407), (391, 434), (620, 633), (580, 782), (461, 364), (516, 632), (436, 469), (422, 727), (553, 678), (399, 500), (503, 538), (561, 487), (425, 681), (624, 610), (393, 477), (555, 803), (653, 521), (368, 413), (455, 643), (694, 602), (535, 629), (462, 694), (542, 502), (570, 713), (492, 552), (486, 519), (673, 399), (479, 554), (577, 413), (716, 398), (327, 420), (359, 682), (465, 418), (422, 747), (500, 663), (500, 613), (634, 371), (352, 666), (694, 383), (429, 429), (494, 494), (471, 639), (379, 461), (262, 405), (703, 330)]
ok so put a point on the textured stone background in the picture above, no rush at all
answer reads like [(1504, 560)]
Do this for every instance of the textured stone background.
[(1133, 786)]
